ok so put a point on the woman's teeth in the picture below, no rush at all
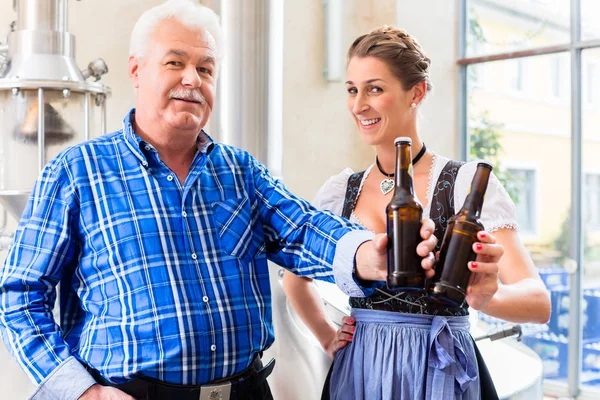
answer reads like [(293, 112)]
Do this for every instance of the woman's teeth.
[(368, 122)]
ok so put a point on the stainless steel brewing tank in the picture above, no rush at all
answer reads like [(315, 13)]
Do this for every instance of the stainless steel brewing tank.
[(46, 101), (66, 113)]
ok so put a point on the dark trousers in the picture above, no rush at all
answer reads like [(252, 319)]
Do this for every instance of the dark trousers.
[(250, 384), (263, 392)]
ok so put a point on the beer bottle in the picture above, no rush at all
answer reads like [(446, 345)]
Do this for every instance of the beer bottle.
[(404, 213), (452, 274)]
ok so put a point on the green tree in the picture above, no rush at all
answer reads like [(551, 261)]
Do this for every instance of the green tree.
[(562, 242), (485, 138)]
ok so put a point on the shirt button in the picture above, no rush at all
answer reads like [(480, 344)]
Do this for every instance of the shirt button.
[(205, 299), (147, 147), (170, 177), (194, 256), (213, 347), (144, 163), (184, 214)]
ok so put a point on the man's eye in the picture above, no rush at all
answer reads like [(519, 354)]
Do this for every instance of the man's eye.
[(203, 70), (173, 63)]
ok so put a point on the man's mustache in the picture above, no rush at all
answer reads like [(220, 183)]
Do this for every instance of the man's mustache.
[(188, 95)]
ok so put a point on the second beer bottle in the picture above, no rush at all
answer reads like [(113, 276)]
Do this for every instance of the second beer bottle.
[(404, 214), (452, 274)]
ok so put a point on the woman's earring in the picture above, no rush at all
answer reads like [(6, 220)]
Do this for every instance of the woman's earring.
[(413, 105)]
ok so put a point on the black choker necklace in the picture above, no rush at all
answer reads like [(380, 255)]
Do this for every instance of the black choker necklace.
[(387, 184)]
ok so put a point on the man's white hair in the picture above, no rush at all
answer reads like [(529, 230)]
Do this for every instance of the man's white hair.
[(188, 12)]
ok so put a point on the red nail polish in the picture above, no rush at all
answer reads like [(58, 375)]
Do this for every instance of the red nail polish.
[(482, 234), (473, 265), (351, 320), (479, 246), (351, 337)]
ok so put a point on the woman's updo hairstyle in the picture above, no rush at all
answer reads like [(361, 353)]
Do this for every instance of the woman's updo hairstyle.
[(400, 51)]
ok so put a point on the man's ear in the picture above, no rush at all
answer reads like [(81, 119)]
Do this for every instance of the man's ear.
[(134, 68)]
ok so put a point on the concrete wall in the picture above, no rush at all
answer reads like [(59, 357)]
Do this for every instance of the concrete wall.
[(318, 138)]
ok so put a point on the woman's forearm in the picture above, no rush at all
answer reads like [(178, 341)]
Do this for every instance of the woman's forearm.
[(523, 301), (308, 305)]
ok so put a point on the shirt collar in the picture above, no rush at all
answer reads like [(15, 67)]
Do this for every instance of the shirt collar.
[(143, 149)]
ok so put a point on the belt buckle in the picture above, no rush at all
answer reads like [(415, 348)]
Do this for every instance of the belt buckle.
[(220, 391)]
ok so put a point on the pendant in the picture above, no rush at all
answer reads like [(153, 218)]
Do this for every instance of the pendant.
[(386, 185)]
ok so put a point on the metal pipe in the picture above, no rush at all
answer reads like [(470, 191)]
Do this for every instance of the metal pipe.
[(41, 35), (41, 129), (103, 118), (576, 238), (5, 242), (4, 220), (47, 15), (86, 117), (3, 59), (275, 90), (245, 76), (463, 117)]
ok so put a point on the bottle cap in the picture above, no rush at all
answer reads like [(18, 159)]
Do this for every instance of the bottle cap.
[(485, 164), (403, 140)]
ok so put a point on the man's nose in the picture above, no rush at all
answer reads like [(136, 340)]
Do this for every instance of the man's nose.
[(191, 78)]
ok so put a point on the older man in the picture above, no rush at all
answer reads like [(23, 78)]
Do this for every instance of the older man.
[(160, 239)]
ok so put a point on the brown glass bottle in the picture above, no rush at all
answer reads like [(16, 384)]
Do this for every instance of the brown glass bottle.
[(404, 214), (452, 274)]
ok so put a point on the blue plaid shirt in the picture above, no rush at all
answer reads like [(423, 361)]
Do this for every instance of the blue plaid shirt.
[(158, 278)]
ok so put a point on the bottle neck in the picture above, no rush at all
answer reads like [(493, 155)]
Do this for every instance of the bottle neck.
[(474, 201), (404, 169)]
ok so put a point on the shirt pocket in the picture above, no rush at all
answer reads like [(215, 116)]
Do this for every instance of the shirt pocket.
[(239, 229)]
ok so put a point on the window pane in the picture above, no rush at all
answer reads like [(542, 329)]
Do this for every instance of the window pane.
[(497, 26), (590, 9), (524, 185), (590, 374), (520, 120)]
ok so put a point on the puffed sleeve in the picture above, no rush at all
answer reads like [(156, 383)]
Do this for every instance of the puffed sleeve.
[(331, 195), (498, 211)]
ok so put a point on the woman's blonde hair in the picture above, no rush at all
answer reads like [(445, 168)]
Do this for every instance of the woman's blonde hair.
[(401, 52)]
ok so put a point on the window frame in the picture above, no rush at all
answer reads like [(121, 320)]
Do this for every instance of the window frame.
[(574, 47)]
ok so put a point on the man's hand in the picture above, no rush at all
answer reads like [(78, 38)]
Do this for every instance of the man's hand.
[(371, 256), (99, 392)]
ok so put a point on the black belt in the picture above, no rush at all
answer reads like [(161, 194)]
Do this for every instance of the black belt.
[(235, 387), (415, 302)]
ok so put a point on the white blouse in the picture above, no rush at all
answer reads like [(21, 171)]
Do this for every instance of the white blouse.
[(498, 211)]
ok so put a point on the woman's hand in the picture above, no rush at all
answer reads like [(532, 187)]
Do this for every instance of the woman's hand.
[(340, 338), (484, 278)]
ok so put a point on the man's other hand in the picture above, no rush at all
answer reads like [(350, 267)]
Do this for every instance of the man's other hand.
[(99, 392), (371, 256)]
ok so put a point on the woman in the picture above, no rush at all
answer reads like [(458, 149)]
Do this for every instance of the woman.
[(403, 346)]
